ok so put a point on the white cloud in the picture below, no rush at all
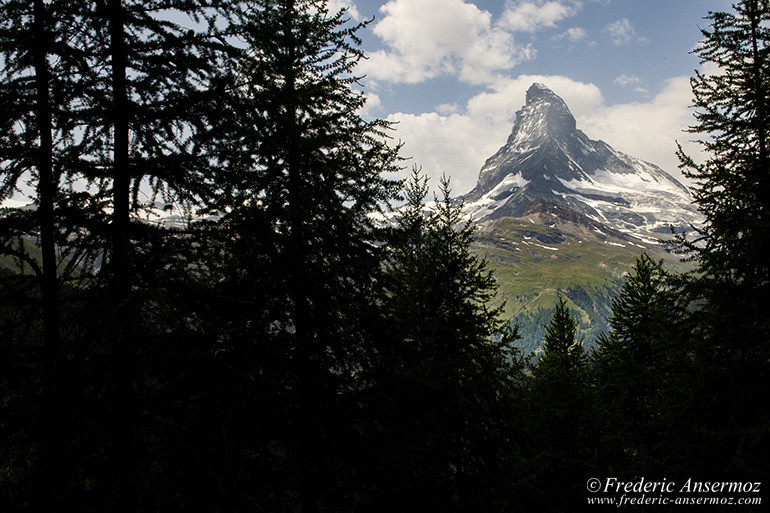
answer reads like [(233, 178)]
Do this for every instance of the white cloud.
[(574, 34), (455, 144), (626, 80), (336, 6), (447, 108), (649, 129), (372, 106), (530, 16), (424, 39), (507, 96), (621, 32), (630, 80), (458, 143)]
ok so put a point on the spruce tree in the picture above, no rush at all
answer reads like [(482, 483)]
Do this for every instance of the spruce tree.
[(36, 54), (632, 364), (559, 432), (732, 186), (729, 347), (563, 355), (303, 176), (445, 365), (731, 111)]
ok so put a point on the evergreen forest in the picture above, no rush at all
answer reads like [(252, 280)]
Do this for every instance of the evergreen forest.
[(221, 299)]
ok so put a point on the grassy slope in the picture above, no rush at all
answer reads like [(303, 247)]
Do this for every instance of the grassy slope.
[(11, 264), (585, 269)]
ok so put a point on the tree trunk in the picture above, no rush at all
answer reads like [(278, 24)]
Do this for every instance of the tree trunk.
[(122, 322), (52, 458), (309, 485)]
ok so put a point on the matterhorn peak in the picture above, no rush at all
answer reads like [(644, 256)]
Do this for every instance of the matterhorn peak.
[(544, 115), (541, 92), (547, 159)]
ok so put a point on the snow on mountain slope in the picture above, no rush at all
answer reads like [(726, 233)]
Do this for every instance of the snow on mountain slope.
[(547, 158)]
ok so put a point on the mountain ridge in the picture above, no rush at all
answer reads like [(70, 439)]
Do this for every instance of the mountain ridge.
[(546, 157)]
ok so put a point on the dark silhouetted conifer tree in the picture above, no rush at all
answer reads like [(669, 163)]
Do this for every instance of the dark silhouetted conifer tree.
[(632, 365), (300, 252), (560, 429), (36, 54), (725, 402), (106, 104), (444, 386)]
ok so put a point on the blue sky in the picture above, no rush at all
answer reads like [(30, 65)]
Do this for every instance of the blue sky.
[(452, 73)]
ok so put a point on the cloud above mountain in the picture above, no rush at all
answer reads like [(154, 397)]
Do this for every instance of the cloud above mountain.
[(529, 16), (425, 39), (622, 32)]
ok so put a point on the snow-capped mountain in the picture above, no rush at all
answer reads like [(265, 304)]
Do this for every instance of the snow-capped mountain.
[(547, 160)]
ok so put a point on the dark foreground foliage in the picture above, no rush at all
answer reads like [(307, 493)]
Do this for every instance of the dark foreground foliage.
[(280, 343)]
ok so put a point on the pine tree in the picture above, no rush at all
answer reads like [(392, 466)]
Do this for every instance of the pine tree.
[(632, 365), (37, 64), (559, 432), (728, 346), (303, 175), (446, 366)]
